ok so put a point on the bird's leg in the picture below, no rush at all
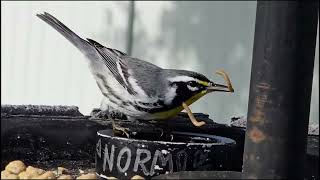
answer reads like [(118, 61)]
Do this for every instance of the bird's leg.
[(116, 128), (226, 78), (191, 116), (108, 114), (161, 131), (112, 115), (156, 128)]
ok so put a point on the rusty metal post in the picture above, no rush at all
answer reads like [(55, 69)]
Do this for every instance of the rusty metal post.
[(280, 89)]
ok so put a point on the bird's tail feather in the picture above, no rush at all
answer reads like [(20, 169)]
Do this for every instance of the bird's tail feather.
[(80, 43)]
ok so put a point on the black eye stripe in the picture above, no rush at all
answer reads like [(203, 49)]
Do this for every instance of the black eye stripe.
[(193, 83)]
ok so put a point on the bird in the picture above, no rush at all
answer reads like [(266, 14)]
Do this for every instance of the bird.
[(137, 88)]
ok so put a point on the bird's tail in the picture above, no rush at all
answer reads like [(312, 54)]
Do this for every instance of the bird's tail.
[(80, 43)]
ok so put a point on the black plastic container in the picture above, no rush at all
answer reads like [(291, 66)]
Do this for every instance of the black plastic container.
[(124, 158)]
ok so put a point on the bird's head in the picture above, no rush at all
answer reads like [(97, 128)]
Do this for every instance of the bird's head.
[(184, 86)]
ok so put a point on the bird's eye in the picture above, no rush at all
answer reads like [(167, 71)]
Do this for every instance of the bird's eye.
[(192, 83)]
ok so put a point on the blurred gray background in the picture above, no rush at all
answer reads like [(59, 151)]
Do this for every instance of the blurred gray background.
[(39, 66)]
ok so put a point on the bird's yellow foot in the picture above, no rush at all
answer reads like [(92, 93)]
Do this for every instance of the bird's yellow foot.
[(118, 129)]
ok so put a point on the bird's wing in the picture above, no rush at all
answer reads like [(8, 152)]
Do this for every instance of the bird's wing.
[(112, 58), (113, 51)]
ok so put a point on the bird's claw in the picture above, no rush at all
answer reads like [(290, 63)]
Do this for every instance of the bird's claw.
[(119, 128), (122, 129), (161, 130)]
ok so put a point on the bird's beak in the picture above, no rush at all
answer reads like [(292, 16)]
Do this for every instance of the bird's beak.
[(218, 87)]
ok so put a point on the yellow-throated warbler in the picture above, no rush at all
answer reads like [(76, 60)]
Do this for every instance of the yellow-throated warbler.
[(138, 89)]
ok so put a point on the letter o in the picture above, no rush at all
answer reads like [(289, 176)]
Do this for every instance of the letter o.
[(122, 151)]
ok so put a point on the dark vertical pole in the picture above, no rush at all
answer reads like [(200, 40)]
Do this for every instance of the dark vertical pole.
[(280, 89), (130, 28)]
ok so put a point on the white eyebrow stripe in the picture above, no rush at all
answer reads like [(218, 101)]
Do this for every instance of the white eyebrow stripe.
[(193, 88), (182, 78)]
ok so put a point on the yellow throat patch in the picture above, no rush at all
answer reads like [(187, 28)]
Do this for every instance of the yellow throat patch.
[(176, 110)]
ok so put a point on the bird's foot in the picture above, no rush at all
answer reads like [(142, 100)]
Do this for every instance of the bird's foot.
[(161, 131), (118, 129)]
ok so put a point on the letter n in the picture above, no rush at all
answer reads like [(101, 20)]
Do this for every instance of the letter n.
[(108, 158)]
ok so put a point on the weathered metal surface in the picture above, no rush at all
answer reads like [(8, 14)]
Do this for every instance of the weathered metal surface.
[(34, 139), (39, 110), (280, 89), (242, 122)]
